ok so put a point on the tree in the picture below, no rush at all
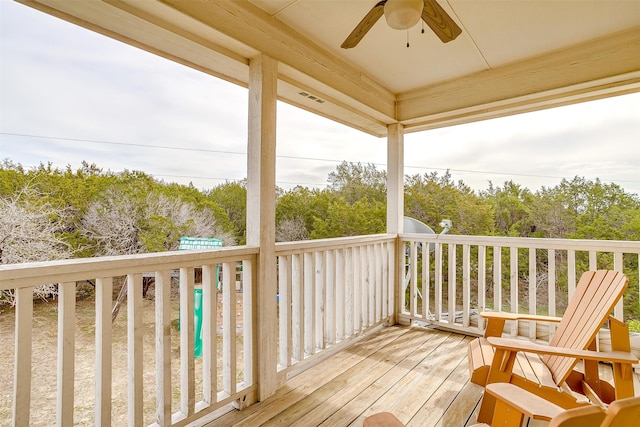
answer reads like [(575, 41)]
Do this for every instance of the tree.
[(354, 182), (232, 198), (167, 219), (291, 229), (30, 231), (343, 219), (113, 224), (512, 209), (431, 198), (123, 223), (296, 211)]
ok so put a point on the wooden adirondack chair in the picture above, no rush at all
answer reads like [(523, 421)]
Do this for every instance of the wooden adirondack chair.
[(514, 403), (548, 370)]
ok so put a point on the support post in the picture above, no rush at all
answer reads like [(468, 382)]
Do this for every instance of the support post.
[(395, 203), (395, 178), (261, 196)]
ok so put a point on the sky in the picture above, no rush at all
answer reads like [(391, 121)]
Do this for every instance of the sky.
[(68, 95)]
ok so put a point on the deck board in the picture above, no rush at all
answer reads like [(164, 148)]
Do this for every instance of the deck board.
[(419, 374)]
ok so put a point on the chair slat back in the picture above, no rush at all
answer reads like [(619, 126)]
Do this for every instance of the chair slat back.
[(593, 301)]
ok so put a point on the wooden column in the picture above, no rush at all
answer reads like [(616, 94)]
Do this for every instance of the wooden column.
[(261, 198), (395, 201), (395, 178)]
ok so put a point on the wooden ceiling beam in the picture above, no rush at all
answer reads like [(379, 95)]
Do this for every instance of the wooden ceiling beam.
[(597, 69), (250, 25)]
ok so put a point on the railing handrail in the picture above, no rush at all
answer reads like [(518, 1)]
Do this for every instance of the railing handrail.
[(627, 246), (16, 276), (288, 248)]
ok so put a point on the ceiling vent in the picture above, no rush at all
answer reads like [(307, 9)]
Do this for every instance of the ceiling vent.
[(312, 97)]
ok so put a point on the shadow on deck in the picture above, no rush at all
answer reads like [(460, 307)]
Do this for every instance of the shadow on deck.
[(418, 374)]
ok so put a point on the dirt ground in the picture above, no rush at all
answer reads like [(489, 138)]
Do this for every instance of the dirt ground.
[(43, 402)]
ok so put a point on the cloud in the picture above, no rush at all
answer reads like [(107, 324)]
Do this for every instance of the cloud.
[(599, 139), (76, 87)]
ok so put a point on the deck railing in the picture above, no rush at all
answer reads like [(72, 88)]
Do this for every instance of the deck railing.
[(330, 293), (103, 272), (449, 278)]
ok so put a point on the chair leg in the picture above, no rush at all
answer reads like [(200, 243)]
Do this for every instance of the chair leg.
[(506, 415), (487, 408), (500, 371)]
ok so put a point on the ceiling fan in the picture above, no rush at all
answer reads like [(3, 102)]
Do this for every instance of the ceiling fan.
[(404, 14)]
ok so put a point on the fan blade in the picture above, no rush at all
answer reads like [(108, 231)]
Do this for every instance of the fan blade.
[(364, 26), (439, 21)]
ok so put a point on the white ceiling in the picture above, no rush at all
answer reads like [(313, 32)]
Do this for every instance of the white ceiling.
[(494, 33)]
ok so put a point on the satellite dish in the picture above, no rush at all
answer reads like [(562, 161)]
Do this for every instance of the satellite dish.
[(412, 225)]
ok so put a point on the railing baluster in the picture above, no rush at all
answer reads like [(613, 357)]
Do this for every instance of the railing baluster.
[(340, 295), (134, 350), (466, 284), (426, 280), (229, 311), (497, 278), (371, 289), (248, 320), (349, 292), (309, 304), (551, 284), (357, 290), (187, 376), (364, 287), (320, 306), (104, 291), (413, 278), (377, 268), (451, 286), (438, 285), (297, 312), (482, 283), (209, 334), (406, 275), (331, 301), (284, 311), (571, 271), (387, 281), (391, 277), (593, 260), (533, 294), (618, 310), (66, 352), (514, 285), (163, 347), (23, 356)]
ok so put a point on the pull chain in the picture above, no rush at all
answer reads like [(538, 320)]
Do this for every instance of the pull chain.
[(407, 38)]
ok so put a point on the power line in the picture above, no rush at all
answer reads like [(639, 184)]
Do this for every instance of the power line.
[(164, 147), (129, 144), (228, 179), (203, 150)]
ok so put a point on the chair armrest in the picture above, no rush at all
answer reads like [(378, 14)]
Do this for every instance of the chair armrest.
[(538, 408), (510, 344), (525, 402), (501, 315)]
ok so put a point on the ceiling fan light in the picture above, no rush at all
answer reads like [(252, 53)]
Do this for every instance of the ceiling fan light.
[(403, 14)]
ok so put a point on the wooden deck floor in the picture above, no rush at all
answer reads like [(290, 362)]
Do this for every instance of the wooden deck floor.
[(418, 374)]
